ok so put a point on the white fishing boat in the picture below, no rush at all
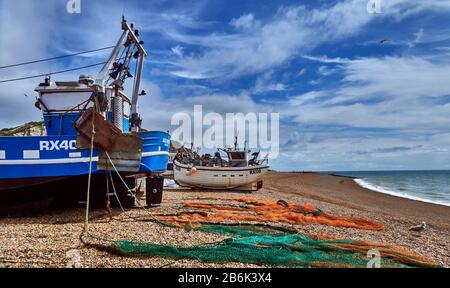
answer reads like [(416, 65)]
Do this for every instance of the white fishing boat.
[(173, 150), (236, 172)]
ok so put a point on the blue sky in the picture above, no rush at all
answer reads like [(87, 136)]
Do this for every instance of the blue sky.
[(346, 102)]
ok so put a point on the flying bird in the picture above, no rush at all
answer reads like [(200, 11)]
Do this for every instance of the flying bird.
[(419, 228)]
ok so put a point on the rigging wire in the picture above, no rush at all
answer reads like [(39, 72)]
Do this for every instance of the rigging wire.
[(55, 58), (53, 73)]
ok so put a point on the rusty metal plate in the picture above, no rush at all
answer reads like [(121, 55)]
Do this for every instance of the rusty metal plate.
[(125, 153), (105, 132), (83, 142)]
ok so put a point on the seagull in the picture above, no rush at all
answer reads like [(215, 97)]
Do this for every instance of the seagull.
[(419, 228), (383, 41)]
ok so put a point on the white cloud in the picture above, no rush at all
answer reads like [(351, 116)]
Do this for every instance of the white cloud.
[(326, 71), (388, 113), (292, 31), (418, 38), (314, 82), (326, 59), (178, 51), (405, 86), (19, 45), (404, 78), (266, 83), (302, 99), (246, 21), (263, 47), (301, 72)]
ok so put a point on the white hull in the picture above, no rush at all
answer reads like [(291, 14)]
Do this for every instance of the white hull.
[(227, 178)]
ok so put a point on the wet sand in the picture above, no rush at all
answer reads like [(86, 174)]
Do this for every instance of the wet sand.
[(44, 240)]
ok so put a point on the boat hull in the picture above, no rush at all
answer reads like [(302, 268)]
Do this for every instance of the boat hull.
[(32, 195), (57, 156), (33, 169), (218, 178)]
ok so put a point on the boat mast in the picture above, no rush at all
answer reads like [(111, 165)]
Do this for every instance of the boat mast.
[(104, 73), (142, 54), (134, 99), (130, 36)]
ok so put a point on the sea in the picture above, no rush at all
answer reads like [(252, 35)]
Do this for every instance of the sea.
[(425, 186)]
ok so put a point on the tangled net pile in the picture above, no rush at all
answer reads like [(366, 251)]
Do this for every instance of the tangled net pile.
[(264, 244), (267, 246), (264, 211)]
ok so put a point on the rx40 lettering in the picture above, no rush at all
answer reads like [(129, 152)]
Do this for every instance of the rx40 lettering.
[(57, 145)]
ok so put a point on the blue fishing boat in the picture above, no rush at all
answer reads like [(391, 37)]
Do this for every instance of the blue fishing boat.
[(56, 165)]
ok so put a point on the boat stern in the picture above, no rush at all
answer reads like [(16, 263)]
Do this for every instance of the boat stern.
[(155, 151)]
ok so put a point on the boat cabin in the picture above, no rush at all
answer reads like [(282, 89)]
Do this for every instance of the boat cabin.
[(63, 102), (237, 158)]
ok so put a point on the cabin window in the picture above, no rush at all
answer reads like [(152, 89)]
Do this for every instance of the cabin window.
[(216, 175), (237, 155)]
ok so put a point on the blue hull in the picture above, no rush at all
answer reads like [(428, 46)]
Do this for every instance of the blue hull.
[(57, 156)]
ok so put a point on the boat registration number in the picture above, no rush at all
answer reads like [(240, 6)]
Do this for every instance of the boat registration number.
[(255, 171), (57, 145)]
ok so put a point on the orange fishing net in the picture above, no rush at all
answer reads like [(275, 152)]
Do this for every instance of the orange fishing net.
[(263, 243), (386, 250), (263, 211)]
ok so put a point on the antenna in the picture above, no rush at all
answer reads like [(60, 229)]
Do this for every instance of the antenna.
[(48, 79)]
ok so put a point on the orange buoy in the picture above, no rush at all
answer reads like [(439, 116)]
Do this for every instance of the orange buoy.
[(194, 170)]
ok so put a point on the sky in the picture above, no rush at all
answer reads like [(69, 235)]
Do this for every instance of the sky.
[(346, 102)]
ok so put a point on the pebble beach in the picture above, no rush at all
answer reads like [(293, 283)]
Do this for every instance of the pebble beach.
[(46, 240)]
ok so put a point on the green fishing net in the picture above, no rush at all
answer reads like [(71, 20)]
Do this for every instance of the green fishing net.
[(272, 247)]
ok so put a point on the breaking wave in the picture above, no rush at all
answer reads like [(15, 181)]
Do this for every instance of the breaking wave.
[(402, 194)]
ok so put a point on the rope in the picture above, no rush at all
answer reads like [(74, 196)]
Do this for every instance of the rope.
[(86, 220), (108, 200), (136, 199), (8, 261), (115, 191)]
